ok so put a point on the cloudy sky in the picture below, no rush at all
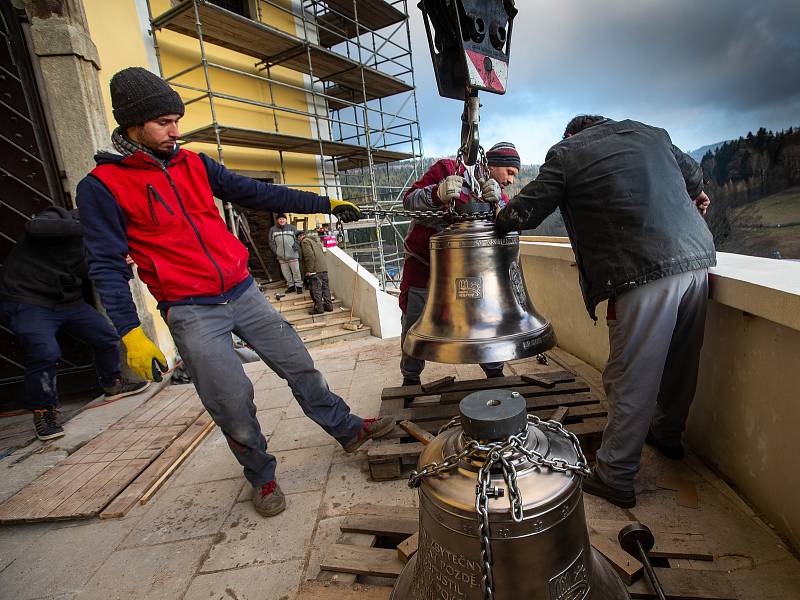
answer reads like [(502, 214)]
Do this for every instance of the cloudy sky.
[(706, 70)]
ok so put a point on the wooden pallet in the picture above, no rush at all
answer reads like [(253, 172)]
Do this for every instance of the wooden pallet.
[(81, 485), (358, 556), (430, 406)]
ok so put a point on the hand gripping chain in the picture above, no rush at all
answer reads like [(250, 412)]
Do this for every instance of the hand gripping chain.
[(501, 452)]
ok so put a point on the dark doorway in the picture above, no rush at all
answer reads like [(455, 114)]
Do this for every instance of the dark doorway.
[(29, 182)]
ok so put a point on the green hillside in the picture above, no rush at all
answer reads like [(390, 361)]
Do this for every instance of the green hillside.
[(779, 209), (768, 227)]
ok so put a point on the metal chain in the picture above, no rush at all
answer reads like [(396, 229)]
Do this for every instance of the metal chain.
[(501, 452), (427, 214)]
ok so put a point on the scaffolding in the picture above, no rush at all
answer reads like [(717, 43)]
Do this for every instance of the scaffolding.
[(358, 76)]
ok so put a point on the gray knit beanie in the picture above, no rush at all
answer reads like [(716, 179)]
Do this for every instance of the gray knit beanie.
[(137, 95)]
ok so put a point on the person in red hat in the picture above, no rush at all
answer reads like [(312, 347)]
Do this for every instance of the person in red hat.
[(445, 183), (155, 201)]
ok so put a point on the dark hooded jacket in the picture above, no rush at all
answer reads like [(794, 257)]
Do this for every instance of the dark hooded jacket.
[(47, 267), (625, 192)]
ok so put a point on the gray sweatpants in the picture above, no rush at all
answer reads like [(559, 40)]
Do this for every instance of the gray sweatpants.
[(202, 333), (290, 269), (411, 367), (651, 373)]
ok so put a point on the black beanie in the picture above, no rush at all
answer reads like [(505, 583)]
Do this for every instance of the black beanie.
[(503, 154), (137, 95)]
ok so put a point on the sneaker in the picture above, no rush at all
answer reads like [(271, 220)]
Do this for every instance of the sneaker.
[(124, 387), (671, 451), (268, 499), (593, 485), (45, 422), (370, 430)]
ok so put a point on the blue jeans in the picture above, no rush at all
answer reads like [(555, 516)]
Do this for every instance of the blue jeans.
[(202, 334), (36, 328)]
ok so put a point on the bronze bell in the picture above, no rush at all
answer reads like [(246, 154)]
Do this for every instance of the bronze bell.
[(478, 308), (538, 551)]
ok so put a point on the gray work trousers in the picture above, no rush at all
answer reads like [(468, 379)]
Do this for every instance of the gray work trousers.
[(411, 367), (290, 269), (202, 333), (651, 373)]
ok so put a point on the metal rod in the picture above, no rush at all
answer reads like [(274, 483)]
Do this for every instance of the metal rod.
[(651, 574)]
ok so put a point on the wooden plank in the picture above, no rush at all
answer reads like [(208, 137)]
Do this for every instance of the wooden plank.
[(123, 476), (384, 510), (535, 379), (626, 566), (418, 434), (670, 542), (686, 584), (385, 451), (560, 414), (433, 386), (380, 525), (528, 391), (378, 562), (408, 547), (130, 496), (178, 461)]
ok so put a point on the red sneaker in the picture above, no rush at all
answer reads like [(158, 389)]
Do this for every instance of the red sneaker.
[(370, 430), (268, 499)]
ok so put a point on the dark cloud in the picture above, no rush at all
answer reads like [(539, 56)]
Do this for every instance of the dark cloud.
[(701, 68)]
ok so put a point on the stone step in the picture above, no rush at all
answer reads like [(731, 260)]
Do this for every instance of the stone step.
[(301, 310), (301, 317), (331, 335)]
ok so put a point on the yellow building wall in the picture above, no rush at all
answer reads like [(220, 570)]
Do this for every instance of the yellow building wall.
[(116, 30)]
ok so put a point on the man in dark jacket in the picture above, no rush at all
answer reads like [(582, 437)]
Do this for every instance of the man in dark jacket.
[(155, 201), (316, 270), (632, 205), (283, 242), (445, 183), (41, 293)]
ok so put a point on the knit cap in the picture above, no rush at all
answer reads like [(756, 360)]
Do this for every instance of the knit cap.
[(137, 95), (503, 154)]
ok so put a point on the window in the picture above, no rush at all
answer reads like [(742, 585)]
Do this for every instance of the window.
[(240, 7)]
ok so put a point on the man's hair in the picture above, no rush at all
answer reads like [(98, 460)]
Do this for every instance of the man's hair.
[(581, 122)]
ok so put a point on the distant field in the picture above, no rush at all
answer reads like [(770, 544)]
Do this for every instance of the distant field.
[(766, 226), (782, 208)]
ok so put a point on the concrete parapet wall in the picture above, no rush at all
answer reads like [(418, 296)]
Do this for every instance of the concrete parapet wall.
[(746, 413), (376, 308)]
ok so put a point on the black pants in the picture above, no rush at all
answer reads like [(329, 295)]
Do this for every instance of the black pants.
[(320, 292), (36, 328)]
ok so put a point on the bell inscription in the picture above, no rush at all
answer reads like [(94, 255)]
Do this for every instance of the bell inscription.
[(444, 574), (572, 583), (469, 288)]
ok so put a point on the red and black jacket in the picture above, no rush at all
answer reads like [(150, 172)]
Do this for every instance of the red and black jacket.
[(165, 217)]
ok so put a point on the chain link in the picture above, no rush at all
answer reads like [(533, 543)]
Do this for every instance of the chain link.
[(501, 452), (427, 214)]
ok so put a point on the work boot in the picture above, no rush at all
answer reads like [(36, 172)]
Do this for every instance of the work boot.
[(268, 499), (671, 451), (124, 387), (592, 484), (371, 429), (316, 312), (298, 289), (328, 308), (289, 290), (45, 421)]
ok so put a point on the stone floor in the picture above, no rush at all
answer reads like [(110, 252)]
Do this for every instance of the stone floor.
[(200, 539)]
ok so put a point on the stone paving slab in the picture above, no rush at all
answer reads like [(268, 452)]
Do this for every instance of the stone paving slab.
[(184, 512), (278, 581), (211, 461), (275, 397), (158, 572), (62, 560), (248, 539)]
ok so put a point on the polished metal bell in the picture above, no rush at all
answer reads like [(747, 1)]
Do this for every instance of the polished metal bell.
[(542, 554), (478, 309)]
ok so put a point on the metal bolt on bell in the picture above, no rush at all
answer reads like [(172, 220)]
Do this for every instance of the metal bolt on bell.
[(542, 554)]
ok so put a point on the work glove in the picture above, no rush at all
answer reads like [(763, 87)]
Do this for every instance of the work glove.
[(449, 189), (144, 357), (490, 191), (345, 211)]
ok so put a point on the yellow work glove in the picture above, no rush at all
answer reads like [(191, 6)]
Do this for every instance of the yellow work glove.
[(345, 211), (144, 357)]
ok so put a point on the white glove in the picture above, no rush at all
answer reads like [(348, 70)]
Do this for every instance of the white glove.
[(490, 191), (449, 189)]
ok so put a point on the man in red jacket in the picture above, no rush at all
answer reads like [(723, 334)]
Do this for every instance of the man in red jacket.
[(446, 182), (155, 201)]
